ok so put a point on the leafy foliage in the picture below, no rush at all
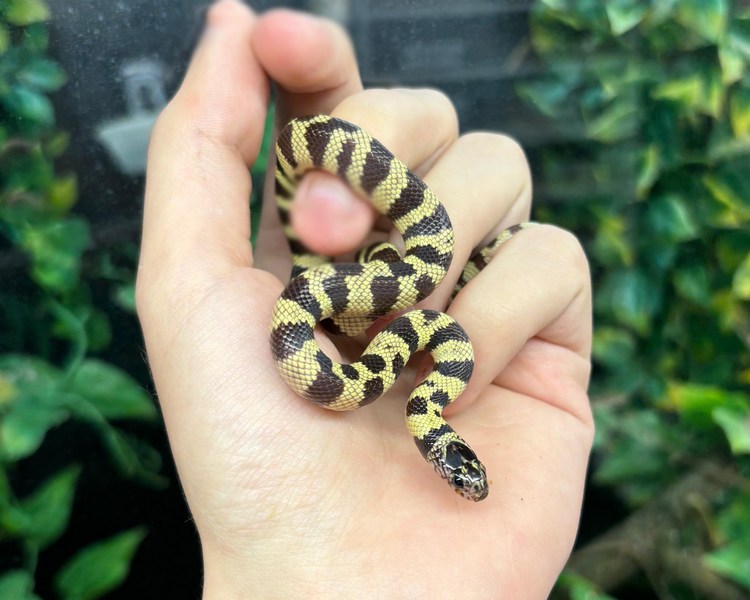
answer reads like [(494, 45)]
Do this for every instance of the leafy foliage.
[(98, 568), (580, 589), (651, 169), (53, 380)]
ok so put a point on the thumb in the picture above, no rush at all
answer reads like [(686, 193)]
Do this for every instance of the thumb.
[(328, 217)]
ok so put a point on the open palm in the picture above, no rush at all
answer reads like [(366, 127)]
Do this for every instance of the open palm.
[(294, 501)]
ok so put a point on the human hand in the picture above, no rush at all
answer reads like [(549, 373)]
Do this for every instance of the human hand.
[(294, 501)]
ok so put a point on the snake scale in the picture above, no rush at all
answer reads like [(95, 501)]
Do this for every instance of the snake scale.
[(347, 297)]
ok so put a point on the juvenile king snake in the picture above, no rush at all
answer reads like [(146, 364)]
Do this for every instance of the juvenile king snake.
[(347, 298)]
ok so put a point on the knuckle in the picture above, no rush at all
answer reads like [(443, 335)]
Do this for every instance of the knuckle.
[(384, 109), (365, 100), (497, 146), (178, 119), (566, 248), (372, 109), (440, 103)]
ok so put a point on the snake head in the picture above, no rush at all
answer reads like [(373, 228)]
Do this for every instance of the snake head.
[(459, 466)]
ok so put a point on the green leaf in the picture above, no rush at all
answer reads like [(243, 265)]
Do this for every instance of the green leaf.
[(49, 507), (579, 588), (692, 283), (732, 249), (707, 18), (613, 347), (632, 297), (114, 393), (736, 425), (739, 111), (741, 280), (732, 63), (650, 169), (17, 585), (7, 391), (580, 15), (733, 521), (617, 122), (637, 449), (712, 101), (684, 90), (57, 144), (63, 193), (25, 12), (611, 247), (732, 561), (700, 92), (56, 248), (98, 330), (13, 521), (558, 5), (548, 94), (23, 428), (4, 39), (99, 568), (28, 105), (29, 373), (29, 414), (730, 186), (697, 403), (125, 296), (42, 74), (738, 38), (661, 11), (669, 218), (36, 38), (623, 15), (134, 458), (724, 146)]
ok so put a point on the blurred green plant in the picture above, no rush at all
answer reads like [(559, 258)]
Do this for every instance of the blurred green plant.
[(53, 320), (649, 108)]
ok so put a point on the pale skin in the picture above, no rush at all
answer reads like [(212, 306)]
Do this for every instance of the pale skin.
[(291, 500)]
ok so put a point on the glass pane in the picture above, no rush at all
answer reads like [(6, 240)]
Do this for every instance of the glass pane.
[(635, 118)]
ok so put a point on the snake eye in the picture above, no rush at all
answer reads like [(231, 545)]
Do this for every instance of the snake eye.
[(458, 481)]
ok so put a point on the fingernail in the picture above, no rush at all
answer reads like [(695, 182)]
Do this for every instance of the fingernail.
[(325, 191)]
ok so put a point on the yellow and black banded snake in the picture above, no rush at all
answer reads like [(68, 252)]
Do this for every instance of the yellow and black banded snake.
[(347, 297)]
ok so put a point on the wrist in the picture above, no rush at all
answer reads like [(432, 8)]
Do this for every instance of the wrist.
[(260, 572)]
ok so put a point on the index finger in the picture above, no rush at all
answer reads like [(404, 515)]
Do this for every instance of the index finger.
[(311, 60)]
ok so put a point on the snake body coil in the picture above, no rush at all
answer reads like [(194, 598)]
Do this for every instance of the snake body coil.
[(348, 297)]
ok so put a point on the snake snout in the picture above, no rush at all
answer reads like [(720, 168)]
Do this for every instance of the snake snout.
[(463, 471), (471, 483)]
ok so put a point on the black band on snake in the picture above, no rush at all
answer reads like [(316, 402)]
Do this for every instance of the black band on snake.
[(347, 298)]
